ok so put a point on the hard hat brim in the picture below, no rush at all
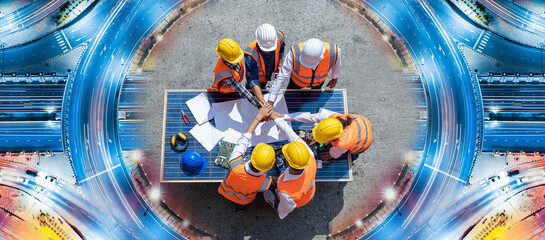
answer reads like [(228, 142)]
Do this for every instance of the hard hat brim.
[(267, 49), (316, 136), (306, 64)]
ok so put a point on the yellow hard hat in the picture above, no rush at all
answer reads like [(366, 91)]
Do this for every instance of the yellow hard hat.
[(327, 130), (297, 155), (229, 50), (263, 157)]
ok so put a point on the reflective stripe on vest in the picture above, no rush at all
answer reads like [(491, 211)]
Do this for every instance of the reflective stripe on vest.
[(222, 71), (263, 188), (348, 139), (241, 187), (297, 189), (303, 75), (254, 53), (356, 148), (223, 75), (235, 162), (265, 184)]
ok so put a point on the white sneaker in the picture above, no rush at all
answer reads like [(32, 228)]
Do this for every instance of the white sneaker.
[(269, 197)]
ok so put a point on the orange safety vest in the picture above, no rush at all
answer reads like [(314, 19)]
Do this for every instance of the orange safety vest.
[(252, 50), (357, 136), (304, 77), (241, 187), (222, 71), (301, 190)]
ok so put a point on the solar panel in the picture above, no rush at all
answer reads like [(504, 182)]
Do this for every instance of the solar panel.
[(297, 101)]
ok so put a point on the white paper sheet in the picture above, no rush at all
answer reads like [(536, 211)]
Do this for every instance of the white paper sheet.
[(200, 108), (207, 135), (234, 117)]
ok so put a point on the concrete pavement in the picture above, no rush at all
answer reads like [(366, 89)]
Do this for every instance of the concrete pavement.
[(371, 73)]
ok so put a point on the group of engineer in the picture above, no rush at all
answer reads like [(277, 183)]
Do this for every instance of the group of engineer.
[(308, 63)]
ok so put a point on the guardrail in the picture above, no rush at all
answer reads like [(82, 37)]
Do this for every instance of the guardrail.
[(32, 78), (517, 78)]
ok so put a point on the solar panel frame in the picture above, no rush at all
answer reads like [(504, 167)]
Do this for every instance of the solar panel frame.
[(308, 100)]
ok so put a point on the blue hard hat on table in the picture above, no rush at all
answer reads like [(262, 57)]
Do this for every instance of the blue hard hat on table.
[(193, 162)]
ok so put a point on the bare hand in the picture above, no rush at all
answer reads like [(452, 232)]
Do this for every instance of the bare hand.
[(264, 113), (276, 115), (326, 156), (274, 180), (332, 83), (263, 102)]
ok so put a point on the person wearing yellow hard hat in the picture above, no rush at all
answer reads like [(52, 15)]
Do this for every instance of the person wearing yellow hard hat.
[(296, 186), (246, 178), (263, 57), (229, 71), (345, 132)]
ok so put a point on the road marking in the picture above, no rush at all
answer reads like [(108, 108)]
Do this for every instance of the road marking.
[(478, 39), (66, 39), (109, 169), (435, 169)]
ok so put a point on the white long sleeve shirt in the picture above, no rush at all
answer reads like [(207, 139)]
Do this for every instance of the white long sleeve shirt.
[(240, 148), (242, 145), (307, 117), (286, 203), (286, 69)]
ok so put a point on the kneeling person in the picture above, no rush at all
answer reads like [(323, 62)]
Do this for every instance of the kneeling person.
[(245, 179)]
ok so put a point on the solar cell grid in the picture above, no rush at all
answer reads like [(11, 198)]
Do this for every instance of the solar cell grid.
[(297, 101)]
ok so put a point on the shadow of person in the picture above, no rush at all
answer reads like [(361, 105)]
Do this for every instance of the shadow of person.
[(205, 208), (215, 97)]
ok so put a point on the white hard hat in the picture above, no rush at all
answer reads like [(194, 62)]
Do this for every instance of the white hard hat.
[(266, 37), (312, 53)]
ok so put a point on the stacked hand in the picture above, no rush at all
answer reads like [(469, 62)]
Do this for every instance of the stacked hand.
[(264, 113)]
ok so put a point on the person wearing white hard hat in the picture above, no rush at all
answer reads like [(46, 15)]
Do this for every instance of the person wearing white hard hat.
[(263, 57), (308, 63)]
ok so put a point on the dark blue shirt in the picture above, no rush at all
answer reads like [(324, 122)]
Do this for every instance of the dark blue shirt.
[(252, 70)]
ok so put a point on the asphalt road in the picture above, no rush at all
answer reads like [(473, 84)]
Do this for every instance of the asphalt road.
[(28, 15), (452, 122)]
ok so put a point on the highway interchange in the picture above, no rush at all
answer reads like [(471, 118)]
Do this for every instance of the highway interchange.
[(464, 116)]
